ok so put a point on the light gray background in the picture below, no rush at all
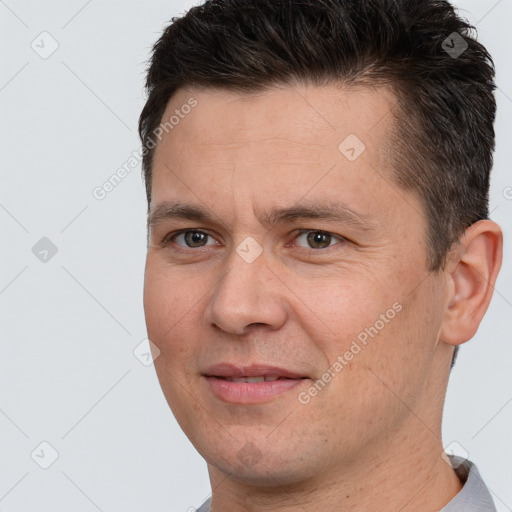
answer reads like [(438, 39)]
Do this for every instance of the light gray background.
[(69, 326)]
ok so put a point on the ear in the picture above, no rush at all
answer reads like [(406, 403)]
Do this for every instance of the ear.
[(472, 275)]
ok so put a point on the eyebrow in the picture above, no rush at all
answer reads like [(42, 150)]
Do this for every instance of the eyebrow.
[(329, 211), (170, 211)]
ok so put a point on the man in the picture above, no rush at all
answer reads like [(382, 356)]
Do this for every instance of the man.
[(317, 177)]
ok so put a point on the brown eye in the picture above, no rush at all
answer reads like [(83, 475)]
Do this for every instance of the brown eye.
[(192, 239), (317, 240)]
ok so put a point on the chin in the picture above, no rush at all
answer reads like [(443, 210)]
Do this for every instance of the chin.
[(271, 466), (263, 474)]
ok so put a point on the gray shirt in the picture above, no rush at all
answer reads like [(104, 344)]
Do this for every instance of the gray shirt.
[(473, 497)]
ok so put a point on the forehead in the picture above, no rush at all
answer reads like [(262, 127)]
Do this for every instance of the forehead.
[(300, 115), (277, 147)]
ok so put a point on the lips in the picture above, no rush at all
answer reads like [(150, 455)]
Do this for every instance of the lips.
[(264, 378), (250, 384), (230, 371)]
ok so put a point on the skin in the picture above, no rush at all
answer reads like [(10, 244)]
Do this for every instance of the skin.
[(371, 439)]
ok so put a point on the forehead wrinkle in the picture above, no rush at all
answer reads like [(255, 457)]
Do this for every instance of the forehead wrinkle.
[(242, 142)]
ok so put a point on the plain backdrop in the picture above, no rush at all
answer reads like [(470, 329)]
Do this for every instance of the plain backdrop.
[(71, 272)]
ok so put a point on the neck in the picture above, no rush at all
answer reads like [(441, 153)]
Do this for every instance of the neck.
[(389, 481)]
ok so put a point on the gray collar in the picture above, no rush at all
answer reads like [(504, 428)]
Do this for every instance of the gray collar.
[(474, 496)]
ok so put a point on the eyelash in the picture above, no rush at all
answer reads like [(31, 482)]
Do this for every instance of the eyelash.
[(171, 236)]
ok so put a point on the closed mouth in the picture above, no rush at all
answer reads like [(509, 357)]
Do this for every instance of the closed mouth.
[(254, 380)]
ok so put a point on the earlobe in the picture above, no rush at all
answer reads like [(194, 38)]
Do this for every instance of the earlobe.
[(472, 281)]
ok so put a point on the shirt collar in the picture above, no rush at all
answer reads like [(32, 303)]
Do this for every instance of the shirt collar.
[(474, 495)]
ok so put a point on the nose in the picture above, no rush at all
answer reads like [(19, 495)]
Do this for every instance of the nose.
[(246, 296)]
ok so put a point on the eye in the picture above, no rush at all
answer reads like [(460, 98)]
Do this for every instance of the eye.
[(191, 239), (317, 239)]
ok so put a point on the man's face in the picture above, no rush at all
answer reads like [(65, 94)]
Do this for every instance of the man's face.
[(305, 254)]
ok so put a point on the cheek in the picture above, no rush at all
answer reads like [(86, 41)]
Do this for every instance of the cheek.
[(343, 309), (382, 358), (398, 343), (373, 325), (171, 305)]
